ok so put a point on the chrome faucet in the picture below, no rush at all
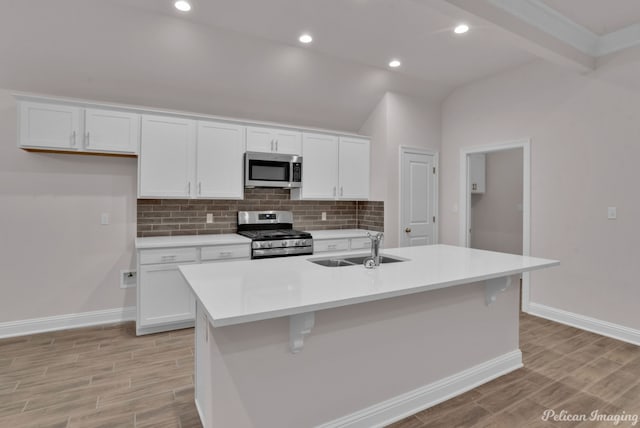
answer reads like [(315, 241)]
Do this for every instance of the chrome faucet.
[(374, 260)]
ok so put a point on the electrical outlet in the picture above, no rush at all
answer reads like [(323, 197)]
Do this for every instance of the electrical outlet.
[(209, 218), (128, 278), (104, 219), (324, 216), (612, 213)]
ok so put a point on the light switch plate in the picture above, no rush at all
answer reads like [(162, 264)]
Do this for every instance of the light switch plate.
[(324, 216), (612, 213), (209, 218)]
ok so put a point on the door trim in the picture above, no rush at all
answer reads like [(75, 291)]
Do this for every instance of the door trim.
[(465, 200), (436, 162)]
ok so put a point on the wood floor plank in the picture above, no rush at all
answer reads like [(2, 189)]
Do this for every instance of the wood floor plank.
[(108, 377)]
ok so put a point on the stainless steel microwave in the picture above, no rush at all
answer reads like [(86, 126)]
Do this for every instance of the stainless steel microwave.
[(272, 170)]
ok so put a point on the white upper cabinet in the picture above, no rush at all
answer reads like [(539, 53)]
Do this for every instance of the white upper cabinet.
[(165, 163), (184, 158), (111, 131), (274, 140), (219, 155), (477, 173), (50, 126), (334, 168), (319, 166), (354, 168)]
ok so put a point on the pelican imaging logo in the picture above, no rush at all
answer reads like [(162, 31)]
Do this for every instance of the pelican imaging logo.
[(596, 416)]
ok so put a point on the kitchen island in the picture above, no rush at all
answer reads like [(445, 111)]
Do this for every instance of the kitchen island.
[(288, 343)]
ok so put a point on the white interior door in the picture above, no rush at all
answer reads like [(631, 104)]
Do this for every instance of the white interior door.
[(417, 198)]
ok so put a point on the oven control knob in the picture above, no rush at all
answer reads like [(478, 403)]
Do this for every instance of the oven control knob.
[(268, 244), (284, 244)]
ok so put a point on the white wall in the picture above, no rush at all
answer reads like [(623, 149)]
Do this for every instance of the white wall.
[(585, 133), (496, 214), (398, 120), (55, 257)]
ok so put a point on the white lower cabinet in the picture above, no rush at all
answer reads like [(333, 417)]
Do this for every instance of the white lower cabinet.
[(164, 297), (342, 244), (165, 301)]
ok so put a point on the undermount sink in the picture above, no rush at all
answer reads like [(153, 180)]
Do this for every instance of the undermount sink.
[(356, 260)]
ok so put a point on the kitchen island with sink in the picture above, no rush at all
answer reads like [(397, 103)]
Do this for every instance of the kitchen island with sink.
[(289, 342)]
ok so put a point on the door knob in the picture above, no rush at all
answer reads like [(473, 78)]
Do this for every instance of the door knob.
[(408, 230)]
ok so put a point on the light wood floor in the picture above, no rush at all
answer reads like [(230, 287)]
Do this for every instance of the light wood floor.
[(108, 377)]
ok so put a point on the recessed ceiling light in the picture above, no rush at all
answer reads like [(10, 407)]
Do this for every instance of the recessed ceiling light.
[(461, 29), (182, 5), (305, 38), (394, 63)]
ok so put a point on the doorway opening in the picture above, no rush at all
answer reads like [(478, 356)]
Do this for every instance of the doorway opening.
[(489, 228)]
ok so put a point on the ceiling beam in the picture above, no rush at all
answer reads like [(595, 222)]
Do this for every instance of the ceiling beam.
[(533, 38)]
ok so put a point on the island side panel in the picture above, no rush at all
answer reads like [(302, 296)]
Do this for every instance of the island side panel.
[(355, 357)]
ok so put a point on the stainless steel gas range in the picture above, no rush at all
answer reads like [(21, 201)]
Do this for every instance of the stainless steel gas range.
[(272, 234)]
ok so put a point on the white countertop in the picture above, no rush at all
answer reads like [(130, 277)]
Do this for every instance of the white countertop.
[(190, 240), (244, 291), (340, 233)]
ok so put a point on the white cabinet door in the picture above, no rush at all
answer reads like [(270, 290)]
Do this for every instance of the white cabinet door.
[(260, 139), (288, 142), (273, 140), (219, 154), (330, 245), (50, 126), (163, 296), (111, 131), (165, 164), (354, 168), (319, 166), (477, 173)]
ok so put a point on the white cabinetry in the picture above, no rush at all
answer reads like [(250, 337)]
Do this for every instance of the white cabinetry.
[(334, 168), (177, 162), (111, 131), (274, 140), (320, 166), (50, 126), (341, 244), (164, 297), (219, 152), (165, 301), (165, 164), (354, 165), (477, 175)]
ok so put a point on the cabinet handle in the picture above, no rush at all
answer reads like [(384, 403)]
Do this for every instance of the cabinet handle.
[(200, 188), (332, 246), (408, 230), (189, 189), (276, 145), (334, 190), (271, 145), (88, 138), (73, 138), (474, 186), (226, 253), (341, 191), (163, 258)]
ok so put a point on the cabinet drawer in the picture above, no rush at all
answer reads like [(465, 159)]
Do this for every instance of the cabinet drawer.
[(360, 244), (223, 252), (330, 245), (168, 255)]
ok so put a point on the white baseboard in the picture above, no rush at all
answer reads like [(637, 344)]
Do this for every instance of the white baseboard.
[(65, 322), (605, 328), (412, 402)]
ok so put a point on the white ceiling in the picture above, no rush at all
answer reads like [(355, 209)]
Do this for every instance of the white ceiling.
[(369, 32), (599, 16), (241, 58)]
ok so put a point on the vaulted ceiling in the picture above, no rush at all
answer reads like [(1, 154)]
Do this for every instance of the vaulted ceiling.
[(242, 57)]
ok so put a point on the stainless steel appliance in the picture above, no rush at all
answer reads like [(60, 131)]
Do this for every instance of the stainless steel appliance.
[(272, 170), (272, 234)]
